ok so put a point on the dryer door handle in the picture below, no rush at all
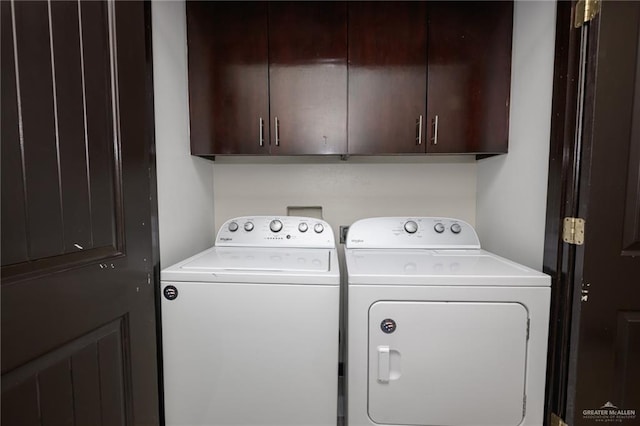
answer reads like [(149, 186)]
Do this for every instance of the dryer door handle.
[(384, 365)]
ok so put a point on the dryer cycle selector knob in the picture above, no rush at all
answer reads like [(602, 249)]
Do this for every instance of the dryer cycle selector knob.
[(318, 228), (248, 226), (456, 228), (439, 228), (303, 227), (275, 225), (411, 227), (233, 227)]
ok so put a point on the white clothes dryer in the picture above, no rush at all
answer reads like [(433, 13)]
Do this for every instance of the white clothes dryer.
[(250, 327), (441, 332)]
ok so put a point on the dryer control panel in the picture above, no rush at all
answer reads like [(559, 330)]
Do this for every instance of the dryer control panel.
[(275, 231), (412, 232)]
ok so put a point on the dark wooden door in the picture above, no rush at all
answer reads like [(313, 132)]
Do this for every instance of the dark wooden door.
[(469, 76), (228, 77), (308, 77), (387, 77), (78, 197), (606, 316)]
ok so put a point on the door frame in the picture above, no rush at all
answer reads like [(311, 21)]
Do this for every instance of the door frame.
[(153, 200), (570, 141)]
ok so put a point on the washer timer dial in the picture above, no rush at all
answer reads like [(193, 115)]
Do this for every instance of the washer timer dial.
[(411, 227), (275, 225)]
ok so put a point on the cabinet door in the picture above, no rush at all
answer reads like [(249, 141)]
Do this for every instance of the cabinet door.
[(228, 77), (469, 76), (308, 77), (387, 77)]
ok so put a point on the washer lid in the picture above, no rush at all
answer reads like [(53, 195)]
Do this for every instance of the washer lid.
[(258, 265), (438, 267), (257, 259)]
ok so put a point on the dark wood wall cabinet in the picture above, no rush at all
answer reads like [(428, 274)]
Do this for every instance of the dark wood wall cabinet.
[(349, 78)]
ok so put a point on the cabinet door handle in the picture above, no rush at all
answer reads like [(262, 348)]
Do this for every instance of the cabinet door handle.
[(434, 123), (277, 131), (261, 132), (419, 130)]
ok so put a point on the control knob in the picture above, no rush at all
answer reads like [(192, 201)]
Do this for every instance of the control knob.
[(439, 228), (411, 227), (248, 226), (456, 228), (233, 226), (318, 228), (303, 227), (275, 225)]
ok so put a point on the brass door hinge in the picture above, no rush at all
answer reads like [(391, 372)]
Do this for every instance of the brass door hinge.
[(586, 10), (556, 420), (573, 230)]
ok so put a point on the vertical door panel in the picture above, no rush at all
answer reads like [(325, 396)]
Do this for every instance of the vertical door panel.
[(56, 395), (469, 76), (70, 103), (449, 363), (387, 77), (39, 128), (627, 369), (14, 230), (85, 374), (79, 383), (103, 156), (60, 163), (228, 77), (112, 387), (308, 77)]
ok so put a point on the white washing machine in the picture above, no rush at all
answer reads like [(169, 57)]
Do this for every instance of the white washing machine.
[(441, 332), (250, 327)]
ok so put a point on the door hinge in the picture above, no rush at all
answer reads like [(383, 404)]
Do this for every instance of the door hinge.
[(586, 10), (557, 421), (573, 230)]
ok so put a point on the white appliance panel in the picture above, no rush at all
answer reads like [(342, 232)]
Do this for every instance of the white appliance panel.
[(250, 354), (275, 231), (258, 266), (412, 232), (428, 263), (257, 259), (447, 363)]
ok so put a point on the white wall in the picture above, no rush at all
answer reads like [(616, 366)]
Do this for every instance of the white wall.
[(185, 183), (512, 189), (347, 190)]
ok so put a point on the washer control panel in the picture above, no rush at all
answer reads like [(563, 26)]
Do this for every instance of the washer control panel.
[(275, 231), (412, 232)]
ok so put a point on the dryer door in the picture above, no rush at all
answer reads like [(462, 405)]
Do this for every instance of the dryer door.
[(447, 363)]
